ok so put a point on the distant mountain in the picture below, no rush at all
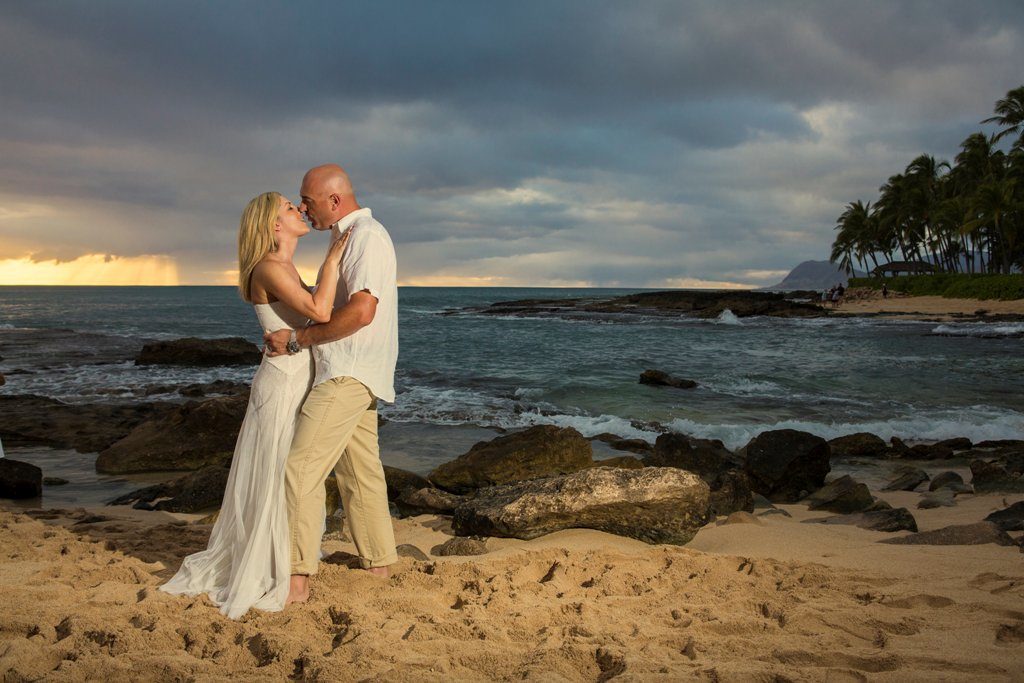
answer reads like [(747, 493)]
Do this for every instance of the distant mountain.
[(816, 275)]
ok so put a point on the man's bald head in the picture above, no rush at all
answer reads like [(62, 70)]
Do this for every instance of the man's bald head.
[(327, 195)]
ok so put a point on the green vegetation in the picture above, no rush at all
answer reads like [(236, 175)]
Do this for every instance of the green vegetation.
[(964, 217), (950, 285)]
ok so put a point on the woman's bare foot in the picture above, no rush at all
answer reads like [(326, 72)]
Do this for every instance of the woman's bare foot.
[(298, 590), (380, 571)]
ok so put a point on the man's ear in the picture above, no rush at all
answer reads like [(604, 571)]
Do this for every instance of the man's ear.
[(335, 201)]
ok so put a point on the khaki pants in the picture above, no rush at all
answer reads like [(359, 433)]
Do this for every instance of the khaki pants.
[(337, 429)]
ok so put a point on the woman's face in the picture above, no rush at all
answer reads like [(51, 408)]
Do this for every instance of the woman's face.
[(289, 220)]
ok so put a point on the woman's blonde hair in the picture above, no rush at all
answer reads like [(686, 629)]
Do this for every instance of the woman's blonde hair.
[(256, 237)]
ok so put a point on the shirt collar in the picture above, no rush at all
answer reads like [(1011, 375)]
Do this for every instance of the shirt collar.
[(339, 228)]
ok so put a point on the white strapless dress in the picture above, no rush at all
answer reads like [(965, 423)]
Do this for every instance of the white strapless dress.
[(247, 562)]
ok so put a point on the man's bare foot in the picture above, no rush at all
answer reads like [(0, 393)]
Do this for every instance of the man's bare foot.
[(380, 571), (298, 590)]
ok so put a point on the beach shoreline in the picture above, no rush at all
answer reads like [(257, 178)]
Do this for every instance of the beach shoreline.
[(926, 308)]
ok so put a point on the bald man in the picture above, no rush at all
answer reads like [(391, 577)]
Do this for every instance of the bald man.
[(355, 355)]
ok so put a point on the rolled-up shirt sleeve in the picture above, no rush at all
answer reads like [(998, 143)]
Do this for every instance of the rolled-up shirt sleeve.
[(366, 264)]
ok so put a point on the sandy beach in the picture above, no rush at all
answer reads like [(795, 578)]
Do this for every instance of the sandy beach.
[(771, 599), (926, 307)]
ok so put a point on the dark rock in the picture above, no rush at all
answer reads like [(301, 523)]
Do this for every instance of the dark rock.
[(460, 545), (945, 479), (879, 504), (54, 481), (896, 519), (957, 534), (194, 492), (1009, 519), (3, 380), (861, 444), (907, 479), (653, 504), (541, 451), (638, 446), (36, 420), (785, 464), (399, 481), (897, 448), (995, 476), (193, 436), (221, 386), (844, 495), (626, 462), (762, 503), (959, 443), (657, 378), (411, 551), (427, 500), (200, 352), (933, 451), (20, 479), (741, 517), (958, 489), (705, 457), (943, 498), (730, 492), (1001, 443)]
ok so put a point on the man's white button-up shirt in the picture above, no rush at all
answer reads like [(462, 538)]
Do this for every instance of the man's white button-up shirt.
[(368, 264)]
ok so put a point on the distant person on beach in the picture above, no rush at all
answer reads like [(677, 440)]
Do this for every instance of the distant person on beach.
[(247, 561), (355, 354), (885, 291)]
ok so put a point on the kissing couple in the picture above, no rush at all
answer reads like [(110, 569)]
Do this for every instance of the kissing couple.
[(330, 356)]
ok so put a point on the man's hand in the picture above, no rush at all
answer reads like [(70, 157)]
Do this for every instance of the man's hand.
[(277, 342)]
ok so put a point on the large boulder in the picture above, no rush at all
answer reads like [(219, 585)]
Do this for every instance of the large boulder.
[(653, 504), (999, 475), (705, 457), (1010, 518), (657, 378), (784, 465), (730, 492), (844, 495), (197, 352), (959, 443), (958, 534), (399, 480), (20, 479), (892, 519), (907, 479), (861, 444), (427, 501), (193, 436), (541, 451), (194, 492), (30, 420), (945, 480)]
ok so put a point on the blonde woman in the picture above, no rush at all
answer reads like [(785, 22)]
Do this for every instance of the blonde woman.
[(247, 563)]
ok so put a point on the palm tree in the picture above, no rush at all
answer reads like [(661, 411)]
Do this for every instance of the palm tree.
[(1009, 114)]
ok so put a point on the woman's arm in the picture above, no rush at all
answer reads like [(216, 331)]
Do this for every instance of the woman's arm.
[(284, 284)]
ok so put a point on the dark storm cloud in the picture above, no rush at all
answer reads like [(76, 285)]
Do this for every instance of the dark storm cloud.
[(651, 140)]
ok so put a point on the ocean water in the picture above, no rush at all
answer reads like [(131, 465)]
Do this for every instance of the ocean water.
[(827, 376)]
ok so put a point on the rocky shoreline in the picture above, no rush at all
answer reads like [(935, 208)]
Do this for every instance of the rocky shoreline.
[(521, 484), (710, 304)]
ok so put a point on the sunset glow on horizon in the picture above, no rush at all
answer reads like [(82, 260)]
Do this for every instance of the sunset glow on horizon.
[(91, 269)]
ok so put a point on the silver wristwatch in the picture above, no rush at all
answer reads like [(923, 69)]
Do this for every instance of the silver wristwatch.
[(293, 344)]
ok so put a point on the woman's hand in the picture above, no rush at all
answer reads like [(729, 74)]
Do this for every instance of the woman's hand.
[(337, 248)]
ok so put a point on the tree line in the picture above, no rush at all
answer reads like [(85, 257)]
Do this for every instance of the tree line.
[(967, 216)]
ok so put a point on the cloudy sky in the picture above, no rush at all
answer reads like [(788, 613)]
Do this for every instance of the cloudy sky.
[(646, 144)]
